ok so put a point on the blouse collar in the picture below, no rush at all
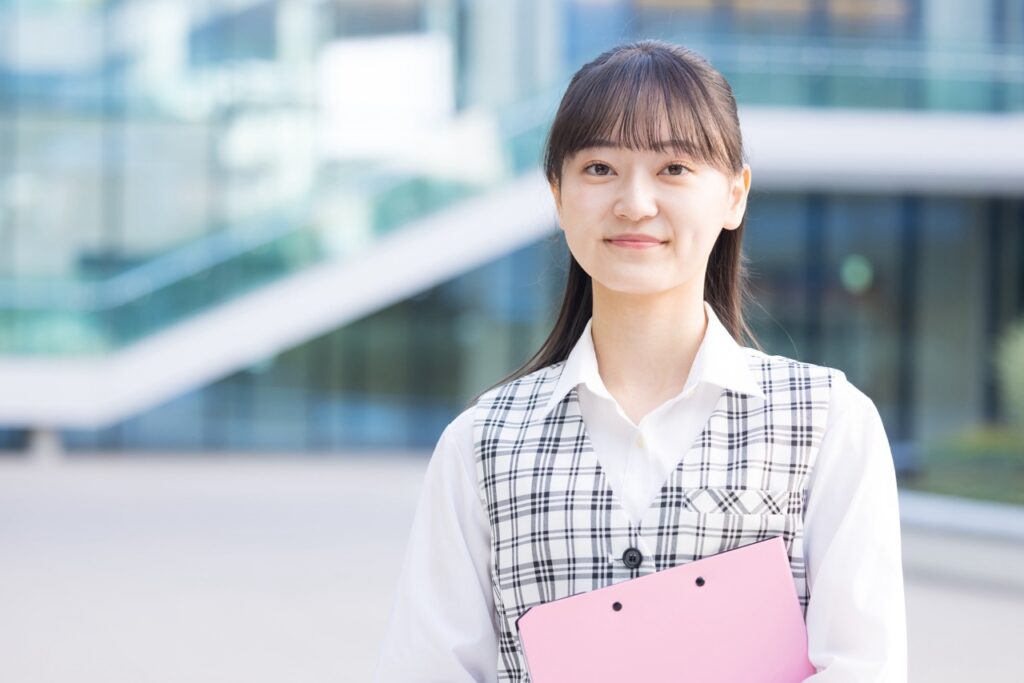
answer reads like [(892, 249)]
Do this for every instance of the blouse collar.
[(720, 361)]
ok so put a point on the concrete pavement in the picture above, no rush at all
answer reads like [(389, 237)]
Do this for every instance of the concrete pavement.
[(259, 568)]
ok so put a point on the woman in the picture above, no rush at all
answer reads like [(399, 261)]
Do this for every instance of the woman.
[(643, 434)]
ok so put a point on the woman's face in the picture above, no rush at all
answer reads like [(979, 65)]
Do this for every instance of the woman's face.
[(609, 191)]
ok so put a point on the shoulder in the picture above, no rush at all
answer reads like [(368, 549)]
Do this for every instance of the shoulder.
[(453, 454), (778, 372), (455, 448), (460, 430), (850, 403), (756, 357), (532, 383), (846, 401)]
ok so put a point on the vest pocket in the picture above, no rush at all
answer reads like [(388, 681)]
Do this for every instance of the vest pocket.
[(742, 501), (713, 520)]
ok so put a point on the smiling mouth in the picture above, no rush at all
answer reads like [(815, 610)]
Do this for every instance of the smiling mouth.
[(635, 244)]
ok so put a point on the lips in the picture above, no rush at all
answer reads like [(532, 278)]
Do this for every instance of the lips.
[(635, 240), (634, 237), (635, 244)]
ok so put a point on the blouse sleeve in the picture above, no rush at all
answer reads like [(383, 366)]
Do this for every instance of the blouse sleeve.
[(856, 617), (442, 625)]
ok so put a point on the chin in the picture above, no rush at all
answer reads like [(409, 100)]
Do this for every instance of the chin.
[(634, 287)]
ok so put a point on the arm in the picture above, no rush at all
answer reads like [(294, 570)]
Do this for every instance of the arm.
[(442, 625), (856, 616)]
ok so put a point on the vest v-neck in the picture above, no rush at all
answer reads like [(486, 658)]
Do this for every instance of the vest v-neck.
[(574, 411)]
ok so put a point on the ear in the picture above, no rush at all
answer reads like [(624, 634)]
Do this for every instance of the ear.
[(558, 201), (739, 189), (555, 194)]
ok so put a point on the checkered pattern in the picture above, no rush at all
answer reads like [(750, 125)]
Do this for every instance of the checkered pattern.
[(558, 529)]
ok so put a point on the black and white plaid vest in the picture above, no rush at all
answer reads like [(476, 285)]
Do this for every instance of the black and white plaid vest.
[(557, 529)]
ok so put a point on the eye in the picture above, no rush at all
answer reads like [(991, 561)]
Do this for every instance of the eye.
[(597, 165), (601, 169)]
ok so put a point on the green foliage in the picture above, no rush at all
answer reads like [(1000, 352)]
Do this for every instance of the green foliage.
[(1009, 364), (985, 461), (980, 442)]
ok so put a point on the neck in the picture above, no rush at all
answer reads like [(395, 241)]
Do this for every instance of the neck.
[(645, 345)]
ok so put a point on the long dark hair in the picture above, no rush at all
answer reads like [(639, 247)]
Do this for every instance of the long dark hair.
[(620, 98)]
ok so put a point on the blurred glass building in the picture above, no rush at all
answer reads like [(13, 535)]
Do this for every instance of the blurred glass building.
[(316, 225)]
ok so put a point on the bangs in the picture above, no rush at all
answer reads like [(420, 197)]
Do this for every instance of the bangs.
[(643, 101)]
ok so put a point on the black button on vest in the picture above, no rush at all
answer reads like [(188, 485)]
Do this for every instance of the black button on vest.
[(632, 558)]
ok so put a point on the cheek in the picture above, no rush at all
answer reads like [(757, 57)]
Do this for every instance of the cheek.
[(581, 210), (581, 224), (581, 244)]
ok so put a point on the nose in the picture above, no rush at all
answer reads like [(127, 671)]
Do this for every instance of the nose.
[(637, 200)]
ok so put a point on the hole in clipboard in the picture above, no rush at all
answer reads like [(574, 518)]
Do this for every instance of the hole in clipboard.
[(617, 606)]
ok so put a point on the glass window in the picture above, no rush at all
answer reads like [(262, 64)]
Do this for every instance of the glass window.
[(862, 292), (775, 241)]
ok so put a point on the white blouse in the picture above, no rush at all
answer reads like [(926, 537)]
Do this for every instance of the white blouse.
[(443, 626)]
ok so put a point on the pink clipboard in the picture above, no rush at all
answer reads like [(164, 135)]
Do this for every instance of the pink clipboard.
[(730, 617)]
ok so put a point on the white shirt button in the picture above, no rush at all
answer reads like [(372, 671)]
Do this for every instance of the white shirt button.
[(639, 441)]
